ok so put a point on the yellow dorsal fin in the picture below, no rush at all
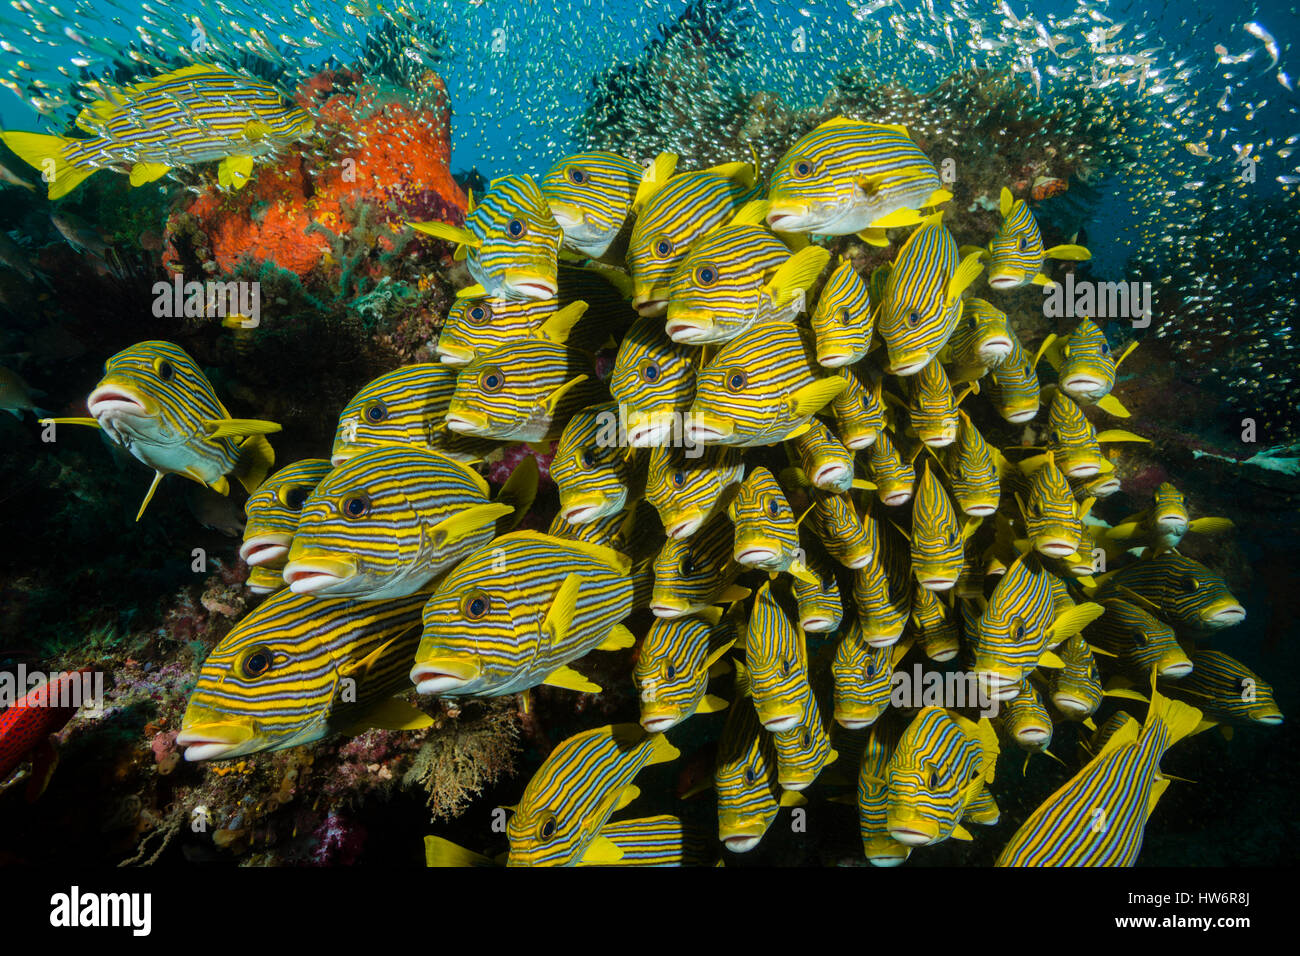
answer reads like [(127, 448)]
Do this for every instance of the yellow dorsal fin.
[(558, 326), (560, 614)]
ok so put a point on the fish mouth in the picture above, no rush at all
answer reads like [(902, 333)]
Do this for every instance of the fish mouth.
[(777, 722), (1071, 704), (941, 439), (859, 442), (343, 453), (686, 326), (740, 844), (756, 555), (980, 510), (1271, 719), (895, 496), (567, 216), (883, 638), (937, 582), (704, 428), (994, 350), (789, 218), (740, 835), (943, 654), (817, 623), (647, 305), (658, 723), (1083, 469), (530, 285), (455, 354), (1225, 614), (214, 740), (442, 675), (1033, 735), (856, 720), (909, 836), (265, 549), (1055, 548), (856, 562), (116, 399), (666, 610), (685, 527), (1006, 280), (831, 475), (1000, 686), (1172, 524), (1105, 488), (908, 366), (648, 429), (797, 784), (1018, 415), (584, 511), (465, 423), (1083, 384), (835, 359), (312, 573), (1176, 669), (887, 858)]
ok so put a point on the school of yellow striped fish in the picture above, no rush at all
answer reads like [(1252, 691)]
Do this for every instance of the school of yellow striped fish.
[(785, 447)]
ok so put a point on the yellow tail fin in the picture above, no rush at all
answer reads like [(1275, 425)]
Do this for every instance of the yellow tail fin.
[(48, 154)]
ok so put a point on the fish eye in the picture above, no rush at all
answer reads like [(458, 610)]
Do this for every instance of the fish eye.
[(670, 672), (805, 741), (166, 371), (1018, 629), (845, 316), (376, 412), (952, 537), (679, 478), (517, 228), (475, 605), (1189, 584), (587, 458), (256, 661), (750, 776), (663, 247), (651, 372), (786, 666), (479, 313), (914, 318), (803, 169), (354, 506), (871, 668), (773, 508), (934, 779), (1140, 637), (548, 826), (1054, 436), (688, 563), (1105, 348), (492, 379), (736, 381), (1024, 244), (577, 175), (706, 275), (293, 497)]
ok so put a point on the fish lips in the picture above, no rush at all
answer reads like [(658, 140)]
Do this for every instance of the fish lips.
[(457, 355), (688, 326), (214, 739), (832, 476), (912, 835), (1007, 278), (649, 429), (1021, 414), (661, 607), (114, 398), (265, 549), (776, 719), (648, 305), (656, 722), (858, 718), (1072, 705), (739, 835), (994, 351), (704, 428), (308, 574), (443, 675), (523, 284), (1033, 737), (465, 422), (1224, 613), (585, 510)]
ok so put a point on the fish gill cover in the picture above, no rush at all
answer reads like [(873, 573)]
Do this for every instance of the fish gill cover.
[(1147, 144)]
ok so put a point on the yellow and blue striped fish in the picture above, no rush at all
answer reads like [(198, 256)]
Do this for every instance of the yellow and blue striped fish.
[(749, 797), (686, 489), (593, 474), (1025, 719), (820, 606), (863, 678), (673, 219), (511, 239), (1075, 689), (192, 115), (1164, 524), (525, 391), (1139, 642), (843, 319), (300, 667), (693, 573), (1019, 623), (405, 407), (674, 664), (851, 539), (932, 406), (981, 342), (847, 176), (922, 296), (384, 524), (1072, 438), (938, 538), (882, 594), (155, 402), (937, 633), (761, 388), (1016, 252), (859, 412), (662, 840), (574, 792), (1099, 816), (593, 196), (880, 848), (738, 275), (1013, 387), (766, 535), (825, 462), (1225, 689), (653, 381), (776, 658), (940, 767), (632, 531), (518, 611), (481, 324), (805, 750), (894, 475), (973, 466), (1182, 591), (1102, 485), (1085, 366), (1050, 512), (273, 511)]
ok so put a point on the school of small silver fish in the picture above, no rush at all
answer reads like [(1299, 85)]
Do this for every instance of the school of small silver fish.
[(784, 448)]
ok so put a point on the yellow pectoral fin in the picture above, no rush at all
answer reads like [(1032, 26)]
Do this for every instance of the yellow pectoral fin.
[(235, 171), (92, 422), (570, 679), (938, 197), (792, 798), (256, 130), (447, 232), (467, 522), (711, 704), (815, 396), (1074, 620), (1112, 406), (239, 427), (1118, 434), (558, 326), (461, 254), (157, 477), (1041, 279), (475, 291), (1069, 253), (751, 214), (562, 609), (552, 401), (797, 274), (873, 237), (392, 714), (626, 796), (1210, 525), (619, 638), (601, 851), (897, 219), (966, 273), (742, 174), (142, 173), (1050, 661), (656, 175)]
